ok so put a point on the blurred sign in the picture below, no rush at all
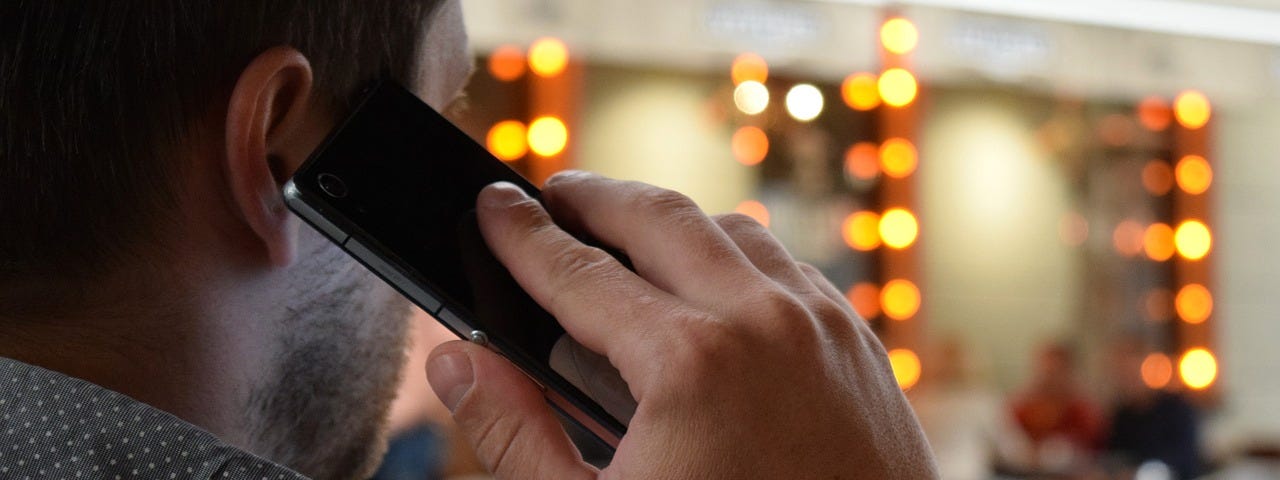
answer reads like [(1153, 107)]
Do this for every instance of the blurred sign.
[(1003, 49), (763, 23)]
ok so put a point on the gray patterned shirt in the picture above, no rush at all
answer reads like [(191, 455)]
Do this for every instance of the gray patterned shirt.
[(56, 427)]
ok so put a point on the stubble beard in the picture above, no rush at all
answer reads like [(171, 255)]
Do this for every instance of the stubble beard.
[(323, 411)]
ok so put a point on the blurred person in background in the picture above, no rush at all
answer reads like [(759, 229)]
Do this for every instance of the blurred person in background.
[(1150, 424), (163, 315), (1064, 424), (972, 435)]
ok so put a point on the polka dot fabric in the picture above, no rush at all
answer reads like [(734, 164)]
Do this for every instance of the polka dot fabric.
[(56, 427)]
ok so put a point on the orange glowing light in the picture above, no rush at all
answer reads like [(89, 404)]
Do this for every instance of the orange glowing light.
[(1157, 177), (749, 67), (1193, 240), (507, 140), (1198, 368), (750, 145), (906, 367), (756, 210), (865, 298), (1192, 109), (898, 158), (900, 299), (861, 231), (899, 36), (860, 92), (1194, 303), (548, 136), (899, 228), (1157, 371), (506, 63), (1156, 303), (1158, 242), (548, 57), (1154, 114), (1073, 229), (861, 161), (898, 87), (1128, 238), (1194, 174)]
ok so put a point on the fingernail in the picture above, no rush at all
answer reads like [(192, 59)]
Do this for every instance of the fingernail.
[(501, 195), (451, 377)]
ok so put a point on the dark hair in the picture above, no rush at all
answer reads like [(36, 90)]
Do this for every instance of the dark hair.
[(98, 97)]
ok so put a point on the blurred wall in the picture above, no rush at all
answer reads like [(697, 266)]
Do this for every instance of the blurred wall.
[(996, 273), (661, 128), (1247, 248)]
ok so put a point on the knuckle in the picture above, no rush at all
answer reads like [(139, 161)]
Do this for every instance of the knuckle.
[(810, 271), (737, 222), (494, 437), (580, 265), (663, 201)]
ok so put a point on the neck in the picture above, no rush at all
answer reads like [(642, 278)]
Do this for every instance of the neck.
[(161, 346)]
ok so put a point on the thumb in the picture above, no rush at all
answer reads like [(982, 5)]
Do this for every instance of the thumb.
[(503, 414)]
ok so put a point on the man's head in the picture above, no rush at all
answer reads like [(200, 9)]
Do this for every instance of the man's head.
[(142, 147)]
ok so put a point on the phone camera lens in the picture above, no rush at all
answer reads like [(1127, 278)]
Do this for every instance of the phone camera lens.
[(332, 185)]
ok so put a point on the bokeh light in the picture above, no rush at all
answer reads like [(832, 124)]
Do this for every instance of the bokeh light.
[(1117, 130), (865, 298), (1157, 242), (548, 57), (898, 87), (1194, 303), (1194, 174), (900, 299), (1193, 240), (804, 102), (548, 136), (899, 36), (860, 92), (1128, 237), (1192, 109), (506, 63), (898, 158), (1157, 371), (1157, 304), (1157, 177), (749, 67), (754, 209), (507, 140), (751, 97), (861, 231), (899, 228), (1073, 229), (1154, 114), (862, 161), (906, 367), (1198, 368), (750, 145)]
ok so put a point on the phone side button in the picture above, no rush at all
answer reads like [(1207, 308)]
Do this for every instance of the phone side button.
[(424, 299)]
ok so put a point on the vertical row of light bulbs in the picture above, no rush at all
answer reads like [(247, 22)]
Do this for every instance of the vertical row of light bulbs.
[(896, 158), (546, 136), (1191, 240)]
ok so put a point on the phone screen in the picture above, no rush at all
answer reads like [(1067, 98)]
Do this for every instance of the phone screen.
[(401, 182)]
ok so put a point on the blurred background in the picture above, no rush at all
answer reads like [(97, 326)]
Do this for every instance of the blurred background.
[(1060, 217)]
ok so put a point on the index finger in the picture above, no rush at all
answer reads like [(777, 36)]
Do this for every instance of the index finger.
[(595, 298)]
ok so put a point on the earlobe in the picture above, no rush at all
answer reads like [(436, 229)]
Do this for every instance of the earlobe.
[(266, 133)]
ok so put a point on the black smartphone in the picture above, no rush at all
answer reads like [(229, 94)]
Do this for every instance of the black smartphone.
[(396, 185)]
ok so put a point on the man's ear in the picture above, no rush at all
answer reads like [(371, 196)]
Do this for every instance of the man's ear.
[(268, 137)]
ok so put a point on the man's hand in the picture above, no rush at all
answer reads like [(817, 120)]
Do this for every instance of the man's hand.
[(745, 363)]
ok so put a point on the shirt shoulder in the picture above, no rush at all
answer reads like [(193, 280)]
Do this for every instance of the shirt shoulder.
[(55, 426)]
